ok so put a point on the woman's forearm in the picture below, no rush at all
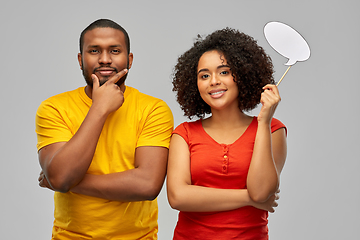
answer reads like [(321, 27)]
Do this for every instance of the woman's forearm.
[(203, 199), (263, 177)]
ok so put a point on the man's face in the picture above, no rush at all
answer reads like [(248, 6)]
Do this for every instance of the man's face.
[(104, 54)]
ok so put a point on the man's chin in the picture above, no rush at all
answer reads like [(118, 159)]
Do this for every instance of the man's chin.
[(103, 80), (121, 80)]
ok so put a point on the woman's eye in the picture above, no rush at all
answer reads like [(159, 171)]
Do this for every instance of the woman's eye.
[(224, 72), (204, 76)]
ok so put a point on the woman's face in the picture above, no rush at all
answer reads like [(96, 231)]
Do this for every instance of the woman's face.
[(215, 81)]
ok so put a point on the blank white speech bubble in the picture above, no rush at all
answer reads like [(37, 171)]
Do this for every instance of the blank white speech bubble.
[(286, 41)]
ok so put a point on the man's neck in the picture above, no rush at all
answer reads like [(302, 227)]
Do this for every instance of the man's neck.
[(88, 90)]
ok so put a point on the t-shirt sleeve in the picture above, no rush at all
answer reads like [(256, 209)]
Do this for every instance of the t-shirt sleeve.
[(50, 127), (158, 127), (276, 125), (182, 130)]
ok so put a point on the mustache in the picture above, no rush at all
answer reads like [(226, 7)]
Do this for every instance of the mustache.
[(106, 66)]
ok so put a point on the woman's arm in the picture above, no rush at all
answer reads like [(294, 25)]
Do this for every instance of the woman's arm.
[(269, 150), (186, 197)]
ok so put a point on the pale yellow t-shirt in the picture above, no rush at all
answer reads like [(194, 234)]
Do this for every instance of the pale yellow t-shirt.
[(141, 121)]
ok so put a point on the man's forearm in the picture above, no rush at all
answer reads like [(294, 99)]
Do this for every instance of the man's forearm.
[(66, 164), (127, 186), (144, 182)]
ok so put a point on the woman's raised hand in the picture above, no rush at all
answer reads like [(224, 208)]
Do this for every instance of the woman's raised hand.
[(270, 99)]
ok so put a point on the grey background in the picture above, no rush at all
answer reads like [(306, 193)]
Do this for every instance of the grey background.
[(320, 193)]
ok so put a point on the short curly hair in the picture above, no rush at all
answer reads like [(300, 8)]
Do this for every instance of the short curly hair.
[(251, 68)]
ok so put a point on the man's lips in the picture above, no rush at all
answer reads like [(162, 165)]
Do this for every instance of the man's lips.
[(105, 71)]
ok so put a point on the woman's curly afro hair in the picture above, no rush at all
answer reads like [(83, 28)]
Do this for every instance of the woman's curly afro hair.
[(251, 68)]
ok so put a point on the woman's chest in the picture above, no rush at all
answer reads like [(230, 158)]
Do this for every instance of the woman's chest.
[(220, 165)]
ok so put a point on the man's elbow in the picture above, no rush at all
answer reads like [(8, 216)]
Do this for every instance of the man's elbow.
[(151, 191), (59, 184), (150, 196)]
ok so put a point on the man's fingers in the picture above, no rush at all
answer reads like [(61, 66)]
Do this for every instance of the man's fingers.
[(96, 82), (41, 176), (41, 182), (118, 76)]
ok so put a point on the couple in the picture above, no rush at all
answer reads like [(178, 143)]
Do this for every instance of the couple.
[(104, 148)]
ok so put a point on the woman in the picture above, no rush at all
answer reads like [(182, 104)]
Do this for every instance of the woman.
[(223, 170)]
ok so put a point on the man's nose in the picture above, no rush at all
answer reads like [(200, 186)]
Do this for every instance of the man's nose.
[(105, 58)]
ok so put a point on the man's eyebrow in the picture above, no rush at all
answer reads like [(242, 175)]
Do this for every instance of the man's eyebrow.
[(92, 46), (111, 46), (117, 45), (220, 66)]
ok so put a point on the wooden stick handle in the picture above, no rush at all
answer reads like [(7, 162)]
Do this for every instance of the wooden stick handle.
[(283, 75)]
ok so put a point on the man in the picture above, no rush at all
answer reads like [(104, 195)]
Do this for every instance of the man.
[(103, 148)]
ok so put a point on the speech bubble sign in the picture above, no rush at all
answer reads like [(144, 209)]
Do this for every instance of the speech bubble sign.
[(287, 42)]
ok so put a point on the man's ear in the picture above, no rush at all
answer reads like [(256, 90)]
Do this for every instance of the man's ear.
[(79, 60), (131, 57)]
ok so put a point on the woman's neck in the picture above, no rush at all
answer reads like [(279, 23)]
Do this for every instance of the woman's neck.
[(225, 127), (227, 119)]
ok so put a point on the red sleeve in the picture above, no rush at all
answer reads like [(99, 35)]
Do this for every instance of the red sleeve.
[(276, 125), (182, 130)]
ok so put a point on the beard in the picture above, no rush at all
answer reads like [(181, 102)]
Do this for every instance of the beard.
[(87, 75)]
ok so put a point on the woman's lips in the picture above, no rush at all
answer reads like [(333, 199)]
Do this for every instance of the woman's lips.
[(217, 93)]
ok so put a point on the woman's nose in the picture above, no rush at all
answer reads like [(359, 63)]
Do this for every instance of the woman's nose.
[(214, 80)]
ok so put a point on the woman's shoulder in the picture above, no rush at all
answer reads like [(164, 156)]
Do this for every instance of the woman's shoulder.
[(188, 125), (276, 124)]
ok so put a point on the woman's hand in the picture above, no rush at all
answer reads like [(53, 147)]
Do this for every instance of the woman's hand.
[(270, 99), (270, 204)]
